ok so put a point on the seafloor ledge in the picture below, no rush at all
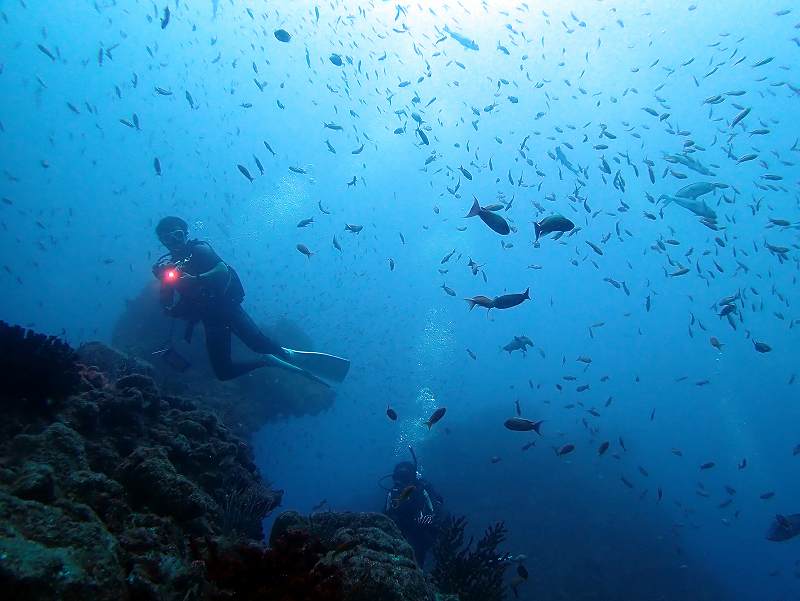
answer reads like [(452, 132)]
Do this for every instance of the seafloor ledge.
[(110, 489)]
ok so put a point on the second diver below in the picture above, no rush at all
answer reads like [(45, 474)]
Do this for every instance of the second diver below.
[(416, 508), (198, 286)]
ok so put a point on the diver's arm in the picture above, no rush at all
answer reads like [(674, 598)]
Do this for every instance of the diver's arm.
[(216, 277)]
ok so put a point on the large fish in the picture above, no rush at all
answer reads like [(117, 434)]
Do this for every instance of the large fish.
[(461, 39), (694, 191), (689, 162), (554, 223), (520, 424), (506, 301), (699, 208), (562, 158), (493, 220), (784, 527)]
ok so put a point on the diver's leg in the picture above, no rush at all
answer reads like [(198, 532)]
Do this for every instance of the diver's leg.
[(218, 344), (248, 332)]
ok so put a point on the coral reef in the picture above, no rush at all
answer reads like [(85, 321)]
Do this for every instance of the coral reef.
[(245, 403), (35, 369), (472, 574), (102, 491), (120, 491), (373, 560)]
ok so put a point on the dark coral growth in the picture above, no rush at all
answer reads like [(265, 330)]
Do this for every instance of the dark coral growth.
[(373, 559), (101, 493), (290, 570), (35, 368), (473, 575)]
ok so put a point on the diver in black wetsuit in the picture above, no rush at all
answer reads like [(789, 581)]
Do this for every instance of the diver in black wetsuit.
[(208, 290), (416, 508)]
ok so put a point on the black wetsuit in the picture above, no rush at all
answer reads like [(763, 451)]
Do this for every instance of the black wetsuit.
[(219, 310), (418, 516)]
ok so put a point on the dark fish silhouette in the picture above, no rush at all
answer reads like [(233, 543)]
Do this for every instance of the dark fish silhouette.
[(493, 220), (554, 223), (520, 424), (784, 527)]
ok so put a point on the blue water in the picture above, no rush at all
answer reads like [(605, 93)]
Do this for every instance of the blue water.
[(81, 198)]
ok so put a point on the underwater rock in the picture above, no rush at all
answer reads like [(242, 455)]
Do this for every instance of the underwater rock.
[(34, 368), (102, 492), (367, 549)]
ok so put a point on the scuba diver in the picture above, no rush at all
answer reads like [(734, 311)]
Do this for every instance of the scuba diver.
[(198, 286), (416, 508)]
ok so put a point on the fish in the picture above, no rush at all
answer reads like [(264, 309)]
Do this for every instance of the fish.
[(353, 228), (46, 51), (761, 347), (740, 117), (435, 417), (707, 465), (495, 222), (519, 424), (336, 59), (157, 166), (391, 413), (304, 249), (282, 35), (518, 343), (461, 39), (603, 447), (553, 223), (165, 18), (243, 170), (305, 222), (336, 244), (564, 450), (784, 527), (507, 301), (449, 291), (699, 208), (481, 301)]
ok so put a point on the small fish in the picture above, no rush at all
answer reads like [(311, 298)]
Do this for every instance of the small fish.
[(761, 347), (282, 35), (519, 424), (435, 417), (495, 222), (304, 249), (475, 357), (165, 18), (336, 59), (305, 222), (707, 465), (564, 450), (336, 244), (391, 413), (449, 291), (157, 166), (603, 448), (507, 301), (243, 170), (353, 228)]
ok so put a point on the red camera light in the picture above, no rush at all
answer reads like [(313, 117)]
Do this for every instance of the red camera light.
[(172, 274)]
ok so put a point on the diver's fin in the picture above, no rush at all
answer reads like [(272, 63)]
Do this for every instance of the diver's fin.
[(273, 361), (328, 367)]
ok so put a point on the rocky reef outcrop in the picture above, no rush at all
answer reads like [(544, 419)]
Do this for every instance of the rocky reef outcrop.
[(111, 488), (104, 482)]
